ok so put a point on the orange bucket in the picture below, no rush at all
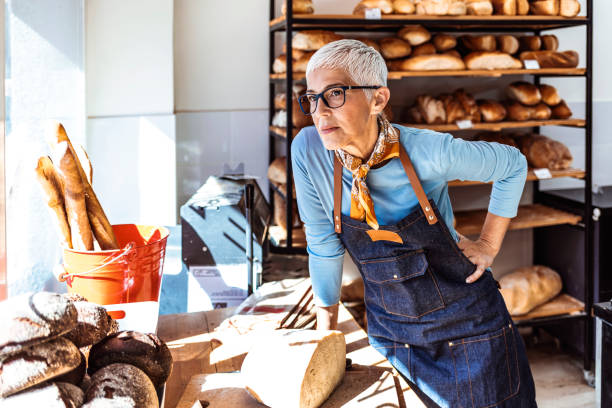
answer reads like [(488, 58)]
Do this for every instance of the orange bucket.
[(127, 275)]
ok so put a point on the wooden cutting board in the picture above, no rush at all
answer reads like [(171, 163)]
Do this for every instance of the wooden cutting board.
[(362, 386)]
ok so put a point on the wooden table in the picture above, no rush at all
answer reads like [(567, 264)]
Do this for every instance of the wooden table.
[(196, 349)]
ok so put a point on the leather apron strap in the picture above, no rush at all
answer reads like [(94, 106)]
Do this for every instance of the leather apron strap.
[(412, 176)]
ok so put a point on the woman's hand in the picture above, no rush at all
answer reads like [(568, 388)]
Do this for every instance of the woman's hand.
[(479, 253)]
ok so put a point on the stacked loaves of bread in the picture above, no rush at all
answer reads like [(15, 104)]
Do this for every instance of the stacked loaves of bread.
[(565, 8), (62, 351), (531, 102), (527, 288), (65, 178)]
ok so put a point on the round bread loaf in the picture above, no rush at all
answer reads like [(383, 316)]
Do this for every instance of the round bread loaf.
[(393, 47), (277, 171), (385, 6), (491, 111), (518, 112), (530, 42), (550, 95), (524, 92), (479, 42), (145, 351), (33, 365), (118, 385), (54, 395), (550, 42), (299, 7), (403, 7), (93, 324), (507, 43), (33, 318)]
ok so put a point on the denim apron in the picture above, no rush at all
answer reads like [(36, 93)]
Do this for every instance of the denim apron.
[(454, 341)]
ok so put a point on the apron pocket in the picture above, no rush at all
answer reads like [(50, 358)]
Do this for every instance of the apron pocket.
[(486, 368), (404, 283)]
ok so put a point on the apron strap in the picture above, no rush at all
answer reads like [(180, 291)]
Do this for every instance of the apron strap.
[(412, 176)]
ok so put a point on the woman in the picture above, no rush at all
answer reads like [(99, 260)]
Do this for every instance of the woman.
[(433, 307)]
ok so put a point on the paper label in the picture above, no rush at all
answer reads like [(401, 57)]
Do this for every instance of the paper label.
[(464, 124), (373, 14), (531, 64), (542, 174), (212, 287)]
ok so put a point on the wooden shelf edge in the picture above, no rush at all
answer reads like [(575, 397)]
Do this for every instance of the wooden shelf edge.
[(529, 216), (497, 126), (573, 173)]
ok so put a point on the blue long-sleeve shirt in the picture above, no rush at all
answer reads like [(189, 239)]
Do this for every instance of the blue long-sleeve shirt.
[(437, 159)]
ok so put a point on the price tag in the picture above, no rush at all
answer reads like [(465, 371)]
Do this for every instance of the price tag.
[(464, 124), (542, 174), (531, 64), (372, 14)]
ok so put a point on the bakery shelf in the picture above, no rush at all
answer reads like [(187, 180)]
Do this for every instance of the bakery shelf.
[(493, 73), (529, 216), (574, 173), (562, 306), (356, 22), (497, 126)]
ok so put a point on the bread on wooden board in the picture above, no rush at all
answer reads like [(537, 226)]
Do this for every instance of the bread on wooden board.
[(438, 62), (93, 324), (491, 60), (51, 395), (108, 388), (295, 368), (524, 92), (526, 288), (552, 59)]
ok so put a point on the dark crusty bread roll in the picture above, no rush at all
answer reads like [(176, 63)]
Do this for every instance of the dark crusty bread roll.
[(277, 170), (550, 95), (120, 383), (393, 47), (479, 42), (550, 42), (552, 59), (561, 111), (312, 40), (544, 7), (145, 351), (35, 364), (93, 324), (491, 111), (544, 152), (507, 43), (74, 376), (452, 53), (444, 42), (530, 42), (438, 62), (424, 49), (33, 318), (414, 34), (53, 395), (491, 60), (496, 137), (517, 112), (524, 92)]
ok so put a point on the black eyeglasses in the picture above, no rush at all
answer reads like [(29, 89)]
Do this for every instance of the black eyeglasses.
[(333, 97)]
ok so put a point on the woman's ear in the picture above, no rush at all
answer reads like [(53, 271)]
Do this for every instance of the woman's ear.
[(379, 100)]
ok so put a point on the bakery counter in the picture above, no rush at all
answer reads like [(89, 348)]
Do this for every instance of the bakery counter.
[(198, 350)]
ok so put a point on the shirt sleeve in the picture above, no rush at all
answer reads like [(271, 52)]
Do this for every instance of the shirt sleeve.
[(326, 252), (501, 164)]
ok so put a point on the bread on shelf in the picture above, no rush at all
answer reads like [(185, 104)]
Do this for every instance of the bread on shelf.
[(485, 60), (491, 111), (552, 59), (530, 42), (550, 96), (524, 92), (404, 7), (312, 40), (569, 8), (561, 111), (299, 7), (424, 49), (385, 6), (526, 288), (544, 7), (544, 152), (485, 42), (550, 42), (444, 42), (508, 44), (414, 34), (437, 62), (479, 7), (393, 47)]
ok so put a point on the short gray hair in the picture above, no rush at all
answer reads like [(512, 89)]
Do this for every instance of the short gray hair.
[(362, 63)]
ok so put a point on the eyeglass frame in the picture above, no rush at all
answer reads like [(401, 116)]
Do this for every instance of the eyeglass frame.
[(320, 96)]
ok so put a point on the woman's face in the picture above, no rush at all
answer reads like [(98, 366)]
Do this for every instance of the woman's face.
[(340, 127)]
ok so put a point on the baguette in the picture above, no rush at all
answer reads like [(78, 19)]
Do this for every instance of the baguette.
[(552, 59), (85, 163), (491, 60), (53, 187), (100, 226), (429, 63)]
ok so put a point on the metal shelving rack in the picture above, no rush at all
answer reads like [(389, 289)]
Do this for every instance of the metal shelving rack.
[(523, 24)]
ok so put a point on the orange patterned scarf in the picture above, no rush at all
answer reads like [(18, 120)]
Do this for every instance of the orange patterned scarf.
[(386, 147)]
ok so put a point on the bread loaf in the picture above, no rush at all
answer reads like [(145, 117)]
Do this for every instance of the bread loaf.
[(385, 6), (491, 60), (295, 368), (424, 49), (479, 7), (34, 318), (93, 324), (53, 395), (561, 111), (550, 42), (414, 115), (76, 375), (452, 53), (542, 151), (279, 66), (277, 170), (118, 384), (469, 105), (508, 44), (431, 109), (393, 47), (404, 6), (517, 112), (457, 8), (541, 112), (444, 42), (496, 137), (453, 108), (524, 92), (301, 63), (530, 43), (526, 288), (35, 364), (53, 189), (145, 351), (299, 7), (414, 34), (312, 40), (85, 163), (370, 43), (429, 63), (544, 7), (479, 42), (505, 7), (491, 111), (552, 59), (433, 7), (569, 8), (550, 95), (522, 7)]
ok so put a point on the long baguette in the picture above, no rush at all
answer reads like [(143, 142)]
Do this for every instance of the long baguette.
[(85, 163), (76, 210), (53, 188), (100, 225)]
